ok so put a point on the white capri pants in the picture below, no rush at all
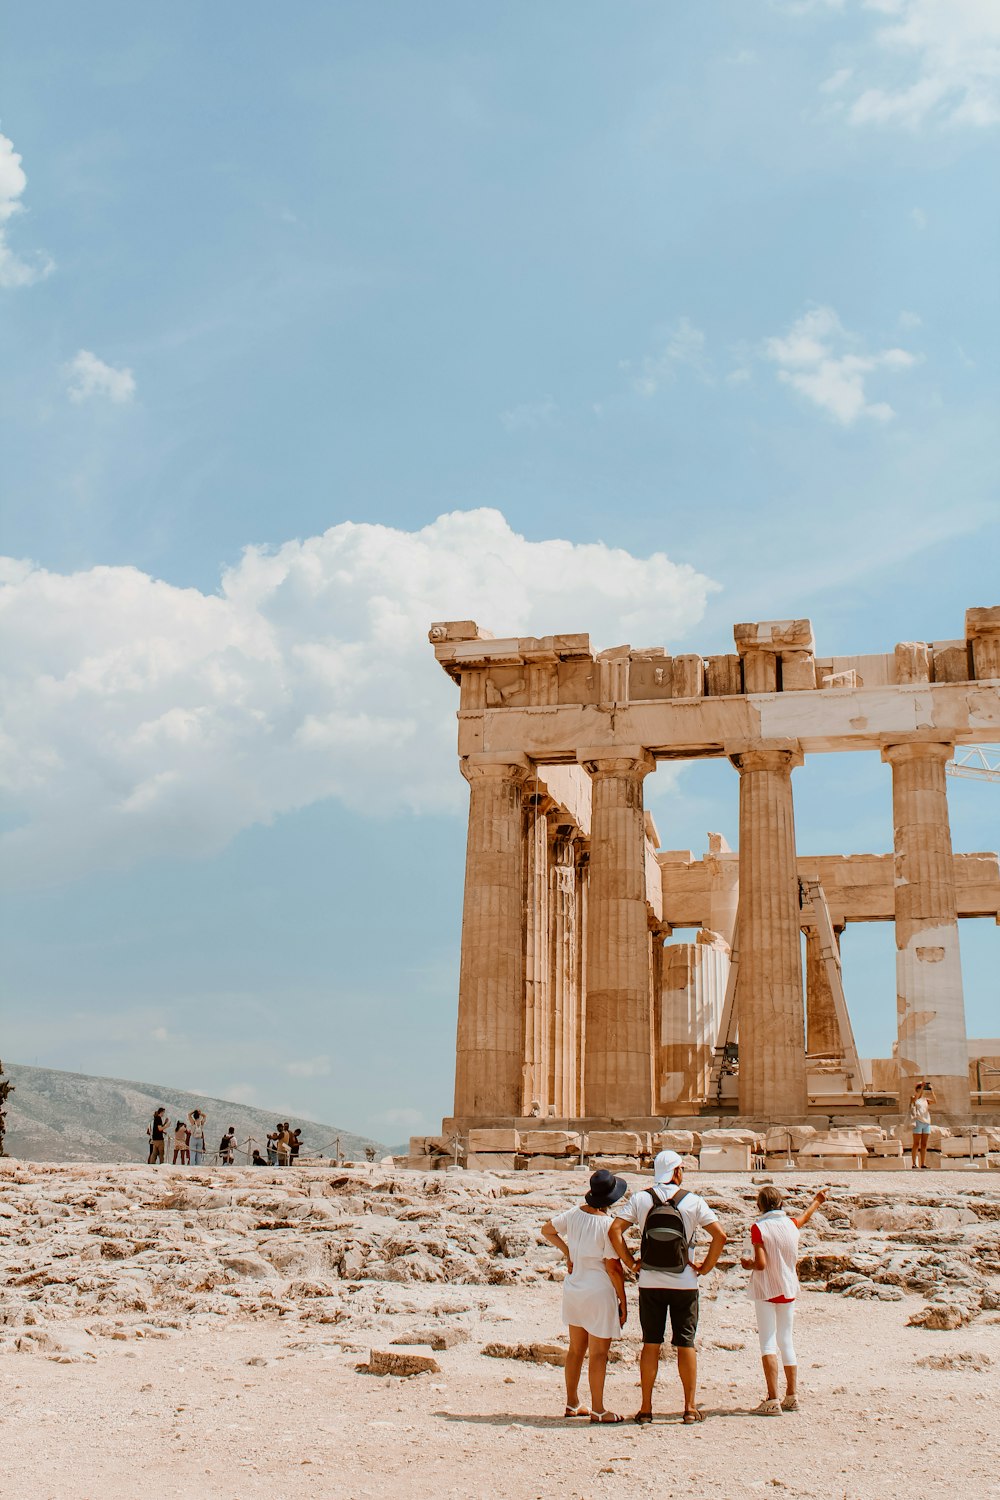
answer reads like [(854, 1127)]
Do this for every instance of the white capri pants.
[(774, 1329)]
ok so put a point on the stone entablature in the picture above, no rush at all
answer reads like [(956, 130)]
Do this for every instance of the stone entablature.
[(560, 1006), (858, 887)]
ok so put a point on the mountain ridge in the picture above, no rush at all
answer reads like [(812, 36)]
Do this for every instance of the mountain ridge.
[(57, 1115)]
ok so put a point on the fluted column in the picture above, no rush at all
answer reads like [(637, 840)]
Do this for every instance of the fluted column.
[(578, 1099), (537, 1017), (490, 1047), (823, 1037), (930, 1009), (563, 980), (618, 1021), (769, 1002), (693, 993)]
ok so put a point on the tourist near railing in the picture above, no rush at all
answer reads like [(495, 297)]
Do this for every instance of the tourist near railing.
[(309, 1154)]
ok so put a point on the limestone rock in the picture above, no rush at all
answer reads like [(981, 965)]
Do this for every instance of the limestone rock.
[(418, 1360)]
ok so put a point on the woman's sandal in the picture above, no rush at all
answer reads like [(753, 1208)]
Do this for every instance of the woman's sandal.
[(692, 1415), (642, 1417), (605, 1416), (577, 1411)]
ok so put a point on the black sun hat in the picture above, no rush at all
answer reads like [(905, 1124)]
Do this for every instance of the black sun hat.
[(605, 1189)]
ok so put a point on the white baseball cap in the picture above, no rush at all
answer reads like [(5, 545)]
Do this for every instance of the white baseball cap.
[(666, 1165)]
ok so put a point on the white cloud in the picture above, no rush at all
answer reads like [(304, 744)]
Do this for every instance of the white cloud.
[(159, 1034), (818, 358), (143, 719), (312, 1067), (529, 414), (683, 345), (942, 61), (836, 81), (13, 270), (90, 376), (909, 319)]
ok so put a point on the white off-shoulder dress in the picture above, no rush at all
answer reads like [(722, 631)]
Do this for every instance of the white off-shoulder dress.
[(589, 1297)]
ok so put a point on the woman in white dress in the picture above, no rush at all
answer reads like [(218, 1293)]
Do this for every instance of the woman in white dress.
[(593, 1304)]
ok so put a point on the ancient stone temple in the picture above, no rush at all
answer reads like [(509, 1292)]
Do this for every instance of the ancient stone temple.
[(573, 1006)]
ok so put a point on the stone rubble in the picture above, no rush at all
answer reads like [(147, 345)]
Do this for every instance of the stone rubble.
[(93, 1253)]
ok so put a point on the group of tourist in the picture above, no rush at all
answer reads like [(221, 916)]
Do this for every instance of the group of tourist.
[(188, 1138), (283, 1144), (668, 1217), (283, 1147)]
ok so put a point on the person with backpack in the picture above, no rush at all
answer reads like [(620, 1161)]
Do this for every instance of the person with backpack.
[(669, 1218), (774, 1285)]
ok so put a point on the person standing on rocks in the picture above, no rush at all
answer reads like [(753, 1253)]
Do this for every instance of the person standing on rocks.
[(197, 1120), (774, 1285), (920, 1123), (227, 1147), (272, 1149), (181, 1138), (157, 1132), (668, 1217), (593, 1305)]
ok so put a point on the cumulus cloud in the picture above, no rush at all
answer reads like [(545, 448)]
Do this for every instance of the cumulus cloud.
[(942, 58), (683, 345), (13, 270), (144, 719), (818, 357), (90, 376)]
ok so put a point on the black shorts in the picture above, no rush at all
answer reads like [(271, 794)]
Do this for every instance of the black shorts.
[(654, 1304)]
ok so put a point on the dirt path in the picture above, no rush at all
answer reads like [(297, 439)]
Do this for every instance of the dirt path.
[(191, 1416)]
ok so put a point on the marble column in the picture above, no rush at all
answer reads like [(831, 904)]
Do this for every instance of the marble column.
[(694, 978), (823, 1037), (769, 1002), (930, 1009), (490, 1046), (537, 1017), (578, 1098), (563, 982), (618, 1020)]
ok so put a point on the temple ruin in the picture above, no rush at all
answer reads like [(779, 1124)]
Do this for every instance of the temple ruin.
[(574, 1008)]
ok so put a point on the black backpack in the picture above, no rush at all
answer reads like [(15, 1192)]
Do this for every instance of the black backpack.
[(664, 1244)]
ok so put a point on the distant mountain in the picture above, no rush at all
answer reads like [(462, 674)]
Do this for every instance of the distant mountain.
[(57, 1116)]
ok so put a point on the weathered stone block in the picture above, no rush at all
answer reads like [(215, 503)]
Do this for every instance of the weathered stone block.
[(551, 1164), (493, 1140), (780, 1137), (416, 1360), (728, 1138), (689, 677), (723, 676), (684, 1141), (491, 1161), (730, 1158), (618, 1164), (832, 1163), (913, 662), (964, 1145), (951, 664), (886, 1148), (616, 1143), (550, 1142), (798, 671)]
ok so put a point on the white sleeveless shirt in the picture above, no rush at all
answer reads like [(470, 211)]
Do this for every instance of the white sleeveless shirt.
[(780, 1237)]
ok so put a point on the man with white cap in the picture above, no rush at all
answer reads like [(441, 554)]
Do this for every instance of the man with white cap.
[(668, 1218)]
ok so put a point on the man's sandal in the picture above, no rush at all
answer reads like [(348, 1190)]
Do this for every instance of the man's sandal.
[(692, 1415), (605, 1416), (577, 1411), (642, 1417)]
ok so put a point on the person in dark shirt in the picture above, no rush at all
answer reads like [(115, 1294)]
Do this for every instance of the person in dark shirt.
[(157, 1132), (258, 1160)]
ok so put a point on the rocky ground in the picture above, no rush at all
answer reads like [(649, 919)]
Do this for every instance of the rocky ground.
[(203, 1331)]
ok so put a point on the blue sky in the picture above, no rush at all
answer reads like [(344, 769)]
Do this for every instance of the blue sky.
[(705, 293)]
